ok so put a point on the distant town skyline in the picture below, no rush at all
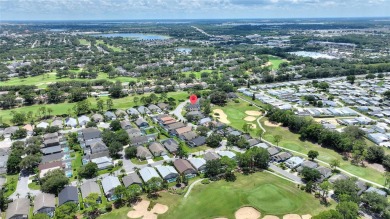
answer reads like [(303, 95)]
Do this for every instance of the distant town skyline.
[(188, 9)]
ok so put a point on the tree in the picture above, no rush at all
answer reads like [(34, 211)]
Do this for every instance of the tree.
[(18, 118), (346, 188), (375, 154), (114, 148), (213, 168), (29, 162), (310, 174), (277, 139), (386, 94), (93, 207), (214, 140), (330, 214), (88, 171), (136, 100), (325, 187), (202, 130), (109, 103), (386, 162), (54, 181), (153, 185), (312, 154), (82, 107), (348, 209), (115, 125), (66, 211), (19, 134), (247, 127), (374, 202), (334, 164), (130, 152), (3, 200), (100, 105), (351, 79), (242, 142)]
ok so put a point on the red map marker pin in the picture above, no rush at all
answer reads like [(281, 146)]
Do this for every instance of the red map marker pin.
[(193, 99)]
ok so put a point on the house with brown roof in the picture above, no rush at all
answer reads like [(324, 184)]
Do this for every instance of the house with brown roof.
[(188, 136), (143, 153), (157, 149), (182, 130), (184, 167), (131, 179), (18, 209)]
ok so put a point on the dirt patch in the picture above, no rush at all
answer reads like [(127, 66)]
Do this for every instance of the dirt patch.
[(222, 116), (141, 210), (266, 64), (271, 124), (306, 216), (247, 213), (376, 166), (291, 216), (250, 118), (270, 217), (330, 121), (253, 113)]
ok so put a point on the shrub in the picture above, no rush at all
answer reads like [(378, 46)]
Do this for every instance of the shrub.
[(108, 207), (205, 181)]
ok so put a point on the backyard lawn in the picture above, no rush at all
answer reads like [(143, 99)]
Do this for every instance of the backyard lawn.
[(292, 141), (266, 192), (12, 181)]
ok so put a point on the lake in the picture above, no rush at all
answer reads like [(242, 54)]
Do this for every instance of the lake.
[(138, 36), (184, 50), (314, 55)]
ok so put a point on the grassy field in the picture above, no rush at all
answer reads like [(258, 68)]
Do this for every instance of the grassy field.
[(42, 81), (197, 73), (84, 42), (236, 113), (267, 193), (117, 214), (276, 61), (62, 108), (34, 186), (114, 48), (292, 141)]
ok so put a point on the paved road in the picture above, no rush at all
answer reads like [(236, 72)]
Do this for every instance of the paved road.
[(22, 189), (305, 155), (286, 174), (179, 109)]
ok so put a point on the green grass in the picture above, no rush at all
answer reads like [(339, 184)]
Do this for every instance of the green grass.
[(155, 159), (276, 61), (34, 186), (12, 181), (138, 162), (267, 193), (292, 141), (196, 73), (114, 48), (236, 113), (76, 164), (62, 108), (117, 214), (84, 42)]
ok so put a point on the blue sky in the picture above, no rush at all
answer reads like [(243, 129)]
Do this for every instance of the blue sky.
[(188, 9)]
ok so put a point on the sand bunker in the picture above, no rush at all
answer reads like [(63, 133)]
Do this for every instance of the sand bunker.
[(270, 124), (291, 216), (222, 116), (270, 217), (306, 216), (250, 118), (220, 218), (253, 113), (247, 213), (141, 210)]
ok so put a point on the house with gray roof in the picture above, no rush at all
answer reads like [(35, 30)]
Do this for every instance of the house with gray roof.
[(168, 173), (110, 115), (68, 194), (45, 203), (188, 136), (377, 191), (139, 140), (103, 162), (109, 183), (134, 132), (147, 173), (120, 113), (71, 122), (89, 187), (337, 177), (10, 131), (280, 157), (153, 108), (42, 125), (83, 120), (132, 111), (3, 164), (211, 156), (91, 133), (126, 124), (157, 149), (143, 153), (184, 167), (198, 163), (143, 110), (325, 172), (228, 154), (98, 147), (131, 179), (141, 122), (18, 209), (163, 106), (57, 123), (171, 145)]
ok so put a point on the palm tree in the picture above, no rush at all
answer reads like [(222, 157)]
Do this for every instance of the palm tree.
[(49, 111), (136, 169)]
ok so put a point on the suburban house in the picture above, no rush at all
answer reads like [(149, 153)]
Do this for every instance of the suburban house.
[(168, 173), (134, 132), (132, 111), (336, 177), (283, 156), (143, 110), (308, 164), (3, 161), (198, 141), (89, 187), (325, 172), (377, 191), (155, 109), (10, 131), (273, 151), (147, 173), (140, 140), (188, 136), (171, 127), (126, 124), (97, 118), (157, 149), (18, 209), (91, 133), (29, 128), (46, 167), (120, 113), (57, 123), (98, 147), (45, 203), (198, 163), (144, 153), (182, 130), (184, 167), (110, 115), (211, 156), (163, 106), (228, 154), (141, 122), (293, 162), (109, 183), (131, 179), (71, 122), (42, 125), (68, 194), (171, 145), (102, 162), (83, 120)]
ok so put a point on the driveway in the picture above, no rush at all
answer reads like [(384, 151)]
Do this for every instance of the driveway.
[(285, 174), (178, 110), (22, 189)]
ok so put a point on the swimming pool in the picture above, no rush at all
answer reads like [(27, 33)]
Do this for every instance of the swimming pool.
[(65, 149), (68, 173)]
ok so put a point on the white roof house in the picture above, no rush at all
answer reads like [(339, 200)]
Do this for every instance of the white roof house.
[(294, 162), (71, 122), (198, 163), (147, 173), (168, 173), (109, 183), (83, 120), (228, 154), (42, 125)]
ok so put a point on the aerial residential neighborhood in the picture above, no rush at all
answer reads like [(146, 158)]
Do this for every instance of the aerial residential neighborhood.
[(186, 110)]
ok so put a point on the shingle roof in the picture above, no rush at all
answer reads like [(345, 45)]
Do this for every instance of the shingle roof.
[(147, 173), (88, 188), (197, 162), (109, 183), (143, 152), (20, 206), (182, 165), (166, 170), (130, 179), (44, 200), (68, 194)]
